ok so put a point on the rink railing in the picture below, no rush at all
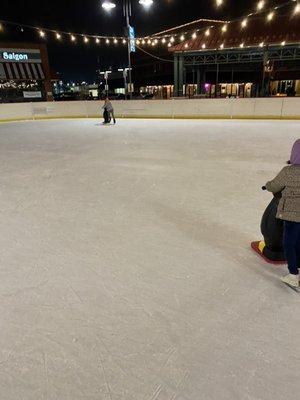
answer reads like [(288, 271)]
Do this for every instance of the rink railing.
[(261, 108)]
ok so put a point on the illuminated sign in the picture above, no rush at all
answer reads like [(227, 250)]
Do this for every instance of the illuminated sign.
[(32, 95), (131, 34), (15, 56), (20, 55)]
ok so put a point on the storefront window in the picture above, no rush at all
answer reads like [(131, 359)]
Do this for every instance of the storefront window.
[(19, 91)]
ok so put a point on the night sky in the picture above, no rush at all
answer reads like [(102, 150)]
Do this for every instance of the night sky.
[(79, 62)]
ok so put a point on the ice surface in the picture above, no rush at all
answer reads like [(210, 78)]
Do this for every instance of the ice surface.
[(126, 271)]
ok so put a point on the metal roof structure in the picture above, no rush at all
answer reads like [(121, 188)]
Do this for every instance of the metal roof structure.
[(282, 29)]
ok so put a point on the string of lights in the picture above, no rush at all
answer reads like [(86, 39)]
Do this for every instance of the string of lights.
[(154, 56), (60, 35), (159, 34), (164, 37)]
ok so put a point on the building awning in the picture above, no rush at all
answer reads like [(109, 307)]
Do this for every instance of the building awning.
[(22, 71)]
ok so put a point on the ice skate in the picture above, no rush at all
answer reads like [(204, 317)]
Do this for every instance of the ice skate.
[(291, 280)]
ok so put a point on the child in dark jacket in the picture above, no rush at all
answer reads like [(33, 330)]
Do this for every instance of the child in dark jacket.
[(108, 111), (288, 182)]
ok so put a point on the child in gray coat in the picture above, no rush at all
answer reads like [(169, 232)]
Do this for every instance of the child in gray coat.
[(109, 108), (288, 182)]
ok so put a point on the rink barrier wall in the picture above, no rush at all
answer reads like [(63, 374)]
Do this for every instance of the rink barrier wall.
[(261, 108)]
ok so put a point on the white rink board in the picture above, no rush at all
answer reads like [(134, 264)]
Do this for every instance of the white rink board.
[(273, 108)]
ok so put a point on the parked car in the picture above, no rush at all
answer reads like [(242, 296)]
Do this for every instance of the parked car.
[(120, 96), (65, 96), (147, 96)]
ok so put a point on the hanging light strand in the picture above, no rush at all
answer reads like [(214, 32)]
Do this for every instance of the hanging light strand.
[(166, 38)]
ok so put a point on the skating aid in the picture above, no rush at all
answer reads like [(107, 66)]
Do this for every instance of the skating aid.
[(261, 250), (271, 248)]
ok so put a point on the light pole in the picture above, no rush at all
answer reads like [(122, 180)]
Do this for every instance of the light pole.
[(105, 76), (109, 5), (125, 73)]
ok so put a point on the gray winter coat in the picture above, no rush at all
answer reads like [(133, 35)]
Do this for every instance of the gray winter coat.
[(109, 106), (287, 181)]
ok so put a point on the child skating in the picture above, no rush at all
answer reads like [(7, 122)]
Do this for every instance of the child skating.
[(288, 182), (108, 113)]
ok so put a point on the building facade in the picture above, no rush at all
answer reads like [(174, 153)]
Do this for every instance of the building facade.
[(262, 59), (24, 73)]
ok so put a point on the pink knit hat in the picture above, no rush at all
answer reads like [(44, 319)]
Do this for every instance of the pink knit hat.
[(295, 156)]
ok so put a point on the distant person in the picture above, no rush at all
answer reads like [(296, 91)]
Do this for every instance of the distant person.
[(108, 107), (106, 115), (288, 182), (290, 92)]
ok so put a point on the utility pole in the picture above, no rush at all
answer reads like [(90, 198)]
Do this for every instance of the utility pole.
[(105, 76), (125, 73), (109, 5), (127, 15)]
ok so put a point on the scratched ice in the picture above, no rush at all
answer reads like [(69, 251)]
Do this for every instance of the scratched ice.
[(126, 272)]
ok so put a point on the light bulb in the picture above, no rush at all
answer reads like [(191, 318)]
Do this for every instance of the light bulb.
[(261, 5), (244, 23), (146, 3), (42, 33), (108, 5), (270, 16), (194, 35), (58, 36), (207, 32), (224, 28)]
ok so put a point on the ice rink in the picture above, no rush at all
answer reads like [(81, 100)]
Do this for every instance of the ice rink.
[(126, 271)]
